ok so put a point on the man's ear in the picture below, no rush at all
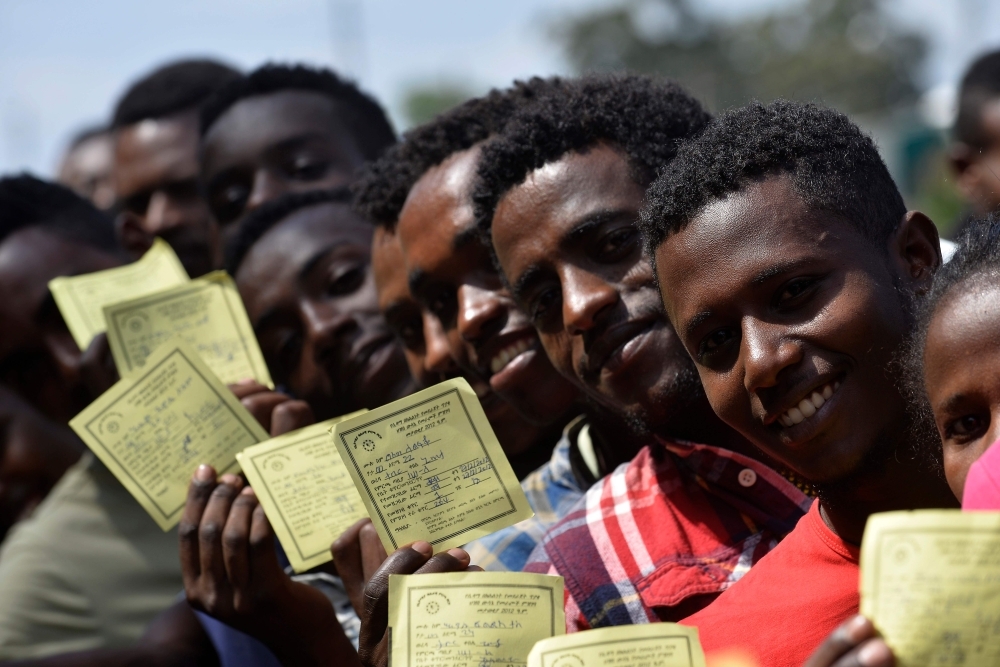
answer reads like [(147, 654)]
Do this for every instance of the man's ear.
[(132, 237), (915, 249)]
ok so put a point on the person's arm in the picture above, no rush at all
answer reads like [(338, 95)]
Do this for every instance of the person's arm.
[(853, 644), (231, 572), (175, 638)]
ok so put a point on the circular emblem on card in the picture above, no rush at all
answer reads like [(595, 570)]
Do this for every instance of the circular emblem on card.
[(275, 463), (110, 423), (568, 660), (432, 603), (367, 439)]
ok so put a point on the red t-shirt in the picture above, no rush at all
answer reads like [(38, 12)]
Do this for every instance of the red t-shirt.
[(789, 602)]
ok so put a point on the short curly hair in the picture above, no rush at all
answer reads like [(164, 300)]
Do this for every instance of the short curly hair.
[(171, 88), (833, 166), (383, 186), (364, 117), (27, 201), (644, 117), (260, 220)]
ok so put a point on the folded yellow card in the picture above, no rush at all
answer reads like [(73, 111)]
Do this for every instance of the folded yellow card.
[(930, 582), (472, 619), (429, 467), (154, 427), (653, 645), (207, 313), (81, 299), (307, 493)]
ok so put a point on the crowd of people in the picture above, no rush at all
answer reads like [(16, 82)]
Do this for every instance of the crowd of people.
[(711, 347)]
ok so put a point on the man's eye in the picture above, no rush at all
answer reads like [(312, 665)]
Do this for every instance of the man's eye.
[(289, 351), (794, 289), (443, 306), (544, 304), (306, 168), (714, 341), (617, 243), (346, 282), (138, 203), (411, 333), (230, 203), (967, 427)]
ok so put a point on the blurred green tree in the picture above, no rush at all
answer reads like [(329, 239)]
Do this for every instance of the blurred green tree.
[(845, 53), (422, 102)]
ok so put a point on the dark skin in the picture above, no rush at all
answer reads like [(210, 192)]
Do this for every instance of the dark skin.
[(961, 360), (38, 357), (567, 242), (977, 168), (776, 303), (427, 352), (88, 167), (452, 276), (156, 181), (308, 290), (34, 454), (268, 145)]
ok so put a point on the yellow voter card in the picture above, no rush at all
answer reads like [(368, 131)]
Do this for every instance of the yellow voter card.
[(429, 467)]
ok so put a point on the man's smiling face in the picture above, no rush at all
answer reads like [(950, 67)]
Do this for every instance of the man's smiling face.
[(567, 241), (793, 319)]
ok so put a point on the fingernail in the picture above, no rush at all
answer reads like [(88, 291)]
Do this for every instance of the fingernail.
[(461, 555), (246, 381), (423, 548), (874, 652), (231, 480), (857, 627), (203, 473), (248, 491)]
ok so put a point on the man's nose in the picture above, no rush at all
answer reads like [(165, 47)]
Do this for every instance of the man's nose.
[(585, 297), (265, 188), (481, 312), (765, 352), (438, 357)]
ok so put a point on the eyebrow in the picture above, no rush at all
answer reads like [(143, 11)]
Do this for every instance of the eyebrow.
[(591, 221), (696, 322), (416, 280), (779, 269), (465, 237)]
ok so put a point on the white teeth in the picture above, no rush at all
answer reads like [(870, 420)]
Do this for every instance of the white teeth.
[(504, 356), (808, 406)]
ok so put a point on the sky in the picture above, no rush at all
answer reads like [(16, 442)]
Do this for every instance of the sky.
[(64, 62)]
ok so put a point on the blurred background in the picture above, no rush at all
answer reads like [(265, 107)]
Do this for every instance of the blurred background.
[(892, 64)]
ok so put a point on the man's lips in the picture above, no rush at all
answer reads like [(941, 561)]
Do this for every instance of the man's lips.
[(503, 348), (610, 351), (805, 410)]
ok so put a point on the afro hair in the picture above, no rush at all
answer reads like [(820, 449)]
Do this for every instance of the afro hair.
[(363, 117), (261, 219), (382, 189), (644, 117), (833, 165), (170, 89), (980, 84), (26, 201)]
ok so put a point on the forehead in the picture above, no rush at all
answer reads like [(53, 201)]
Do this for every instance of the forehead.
[(534, 218), (388, 268), (153, 149), (256, 123), (438, 209), (740, 240), (965, 328)]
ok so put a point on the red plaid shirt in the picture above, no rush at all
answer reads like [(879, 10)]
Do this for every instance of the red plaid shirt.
[(663, 535)]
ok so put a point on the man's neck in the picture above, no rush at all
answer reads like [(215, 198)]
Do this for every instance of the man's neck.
[(900, 485)]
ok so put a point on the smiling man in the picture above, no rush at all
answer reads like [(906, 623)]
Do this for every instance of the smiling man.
[(285, 129), (560, 192), (788, 264)]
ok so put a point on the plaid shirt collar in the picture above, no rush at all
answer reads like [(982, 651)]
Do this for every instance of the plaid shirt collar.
[(678, 521)]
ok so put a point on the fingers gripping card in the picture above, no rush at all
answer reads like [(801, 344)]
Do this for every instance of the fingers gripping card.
[(154, 427), (429, 467)]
